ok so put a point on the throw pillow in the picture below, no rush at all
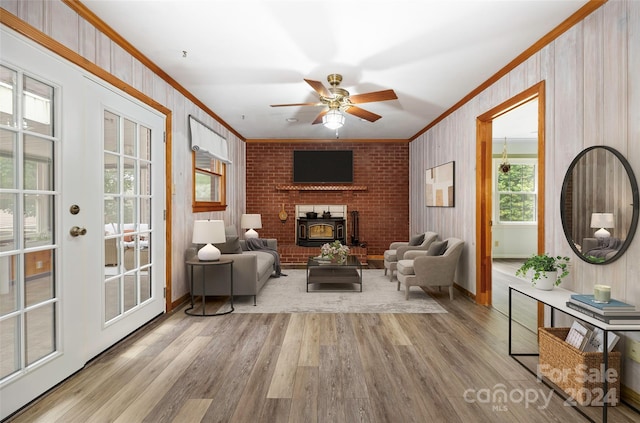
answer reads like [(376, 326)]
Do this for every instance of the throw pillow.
[(230, 246), (416, 240), (437, 248), (128, 238), (230, 231)]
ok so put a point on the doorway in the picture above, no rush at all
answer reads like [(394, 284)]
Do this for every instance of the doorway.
[(514, 203), (485, 186)]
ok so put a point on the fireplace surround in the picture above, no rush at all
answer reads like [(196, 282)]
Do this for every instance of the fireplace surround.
[(319, 224)]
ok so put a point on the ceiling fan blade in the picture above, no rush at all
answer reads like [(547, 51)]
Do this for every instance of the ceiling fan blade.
[(319, 117), (297, 104), (362, 113), (374, 96), (318, 87)]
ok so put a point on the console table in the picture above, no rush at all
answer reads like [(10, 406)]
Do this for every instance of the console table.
[(557, 299)]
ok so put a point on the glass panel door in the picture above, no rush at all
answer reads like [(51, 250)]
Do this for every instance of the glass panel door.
[(127, 213), (29, 300)]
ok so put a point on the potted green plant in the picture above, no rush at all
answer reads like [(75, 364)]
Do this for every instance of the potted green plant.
[(544, 270)]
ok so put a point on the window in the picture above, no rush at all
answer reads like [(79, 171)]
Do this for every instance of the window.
[(210, 160), (209, 182), (517, 192)]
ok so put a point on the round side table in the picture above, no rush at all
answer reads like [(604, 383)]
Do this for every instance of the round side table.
[(192, 263)]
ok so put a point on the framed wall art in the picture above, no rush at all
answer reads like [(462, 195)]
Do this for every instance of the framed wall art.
[(440, 186)]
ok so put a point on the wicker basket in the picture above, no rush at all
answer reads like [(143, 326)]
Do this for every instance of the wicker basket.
[(577, 372)]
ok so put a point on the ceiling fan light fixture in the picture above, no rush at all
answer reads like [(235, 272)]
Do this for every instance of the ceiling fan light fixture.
[(333, 119)]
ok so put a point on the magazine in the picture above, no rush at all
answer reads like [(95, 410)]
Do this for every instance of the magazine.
[(595, 343), (578, 335)]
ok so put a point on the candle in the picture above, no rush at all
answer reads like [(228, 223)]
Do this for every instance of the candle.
[(601, 293)]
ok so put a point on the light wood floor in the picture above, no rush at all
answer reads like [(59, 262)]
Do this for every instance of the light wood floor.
[(311, 368)]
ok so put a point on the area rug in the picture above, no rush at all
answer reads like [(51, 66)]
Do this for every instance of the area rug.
[(289, 295)]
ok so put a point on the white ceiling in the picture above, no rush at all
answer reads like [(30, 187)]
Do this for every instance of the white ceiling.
[(243, 55)]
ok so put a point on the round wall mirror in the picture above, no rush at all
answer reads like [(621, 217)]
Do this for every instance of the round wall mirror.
[(599, 205)]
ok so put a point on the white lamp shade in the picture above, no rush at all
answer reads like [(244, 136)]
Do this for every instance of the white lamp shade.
[(208, 232), (251, 222), (602, 221), (333, 119)]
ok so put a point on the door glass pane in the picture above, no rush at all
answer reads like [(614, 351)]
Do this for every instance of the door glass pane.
[(37, 107), (8, 221), (8, 78), (9, 289), (111, 174), (40, 332), (145, 143), (145, 214), (39, 279), (112, 299), (8, 159), (38, 220), (130, 212), (129, 138), (10, 356), (145, 284), (130, 291), (111, 132), (38, 163), (130, 181), (111, 215), (145, 178)]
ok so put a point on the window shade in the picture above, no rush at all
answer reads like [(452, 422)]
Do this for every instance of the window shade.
[(204, 139)]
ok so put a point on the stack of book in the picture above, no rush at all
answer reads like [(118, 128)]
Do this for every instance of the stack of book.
[(614, 312)]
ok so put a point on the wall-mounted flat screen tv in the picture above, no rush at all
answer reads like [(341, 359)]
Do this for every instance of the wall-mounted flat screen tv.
[(322, 166)]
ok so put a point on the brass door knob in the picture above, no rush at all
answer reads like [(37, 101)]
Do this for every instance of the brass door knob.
[(76, 230)]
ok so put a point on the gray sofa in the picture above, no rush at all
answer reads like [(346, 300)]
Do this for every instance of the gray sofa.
[(251, 270)]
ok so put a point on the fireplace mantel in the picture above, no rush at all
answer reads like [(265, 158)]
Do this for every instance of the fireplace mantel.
[(321, 187)]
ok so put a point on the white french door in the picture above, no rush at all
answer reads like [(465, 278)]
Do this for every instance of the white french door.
[(128, 141), (74, 157)]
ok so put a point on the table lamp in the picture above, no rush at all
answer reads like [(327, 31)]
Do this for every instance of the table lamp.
[(208, 232), (250, 222), (602, 221)]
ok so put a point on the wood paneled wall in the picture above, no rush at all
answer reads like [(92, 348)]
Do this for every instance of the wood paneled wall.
[(58, 21), (592, 98)]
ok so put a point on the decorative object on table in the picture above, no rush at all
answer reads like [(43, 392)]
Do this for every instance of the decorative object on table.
[(440, 186), (251, 222), (283, 215), (602, 221), (505, 166), (601, 293), (208, 232), (544, 270), (334, 251)]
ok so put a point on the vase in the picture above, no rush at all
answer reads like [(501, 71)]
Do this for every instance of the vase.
[(547, 284)]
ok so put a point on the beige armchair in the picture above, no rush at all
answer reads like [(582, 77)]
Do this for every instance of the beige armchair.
[(397, 250), (420, 269)]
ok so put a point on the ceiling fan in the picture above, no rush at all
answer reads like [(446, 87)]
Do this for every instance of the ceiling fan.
[(338, 99)]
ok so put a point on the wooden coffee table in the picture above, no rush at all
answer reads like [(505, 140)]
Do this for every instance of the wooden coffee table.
[(319, 272)]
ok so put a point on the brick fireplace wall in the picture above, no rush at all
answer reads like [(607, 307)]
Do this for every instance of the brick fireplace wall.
[(383, 168)]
